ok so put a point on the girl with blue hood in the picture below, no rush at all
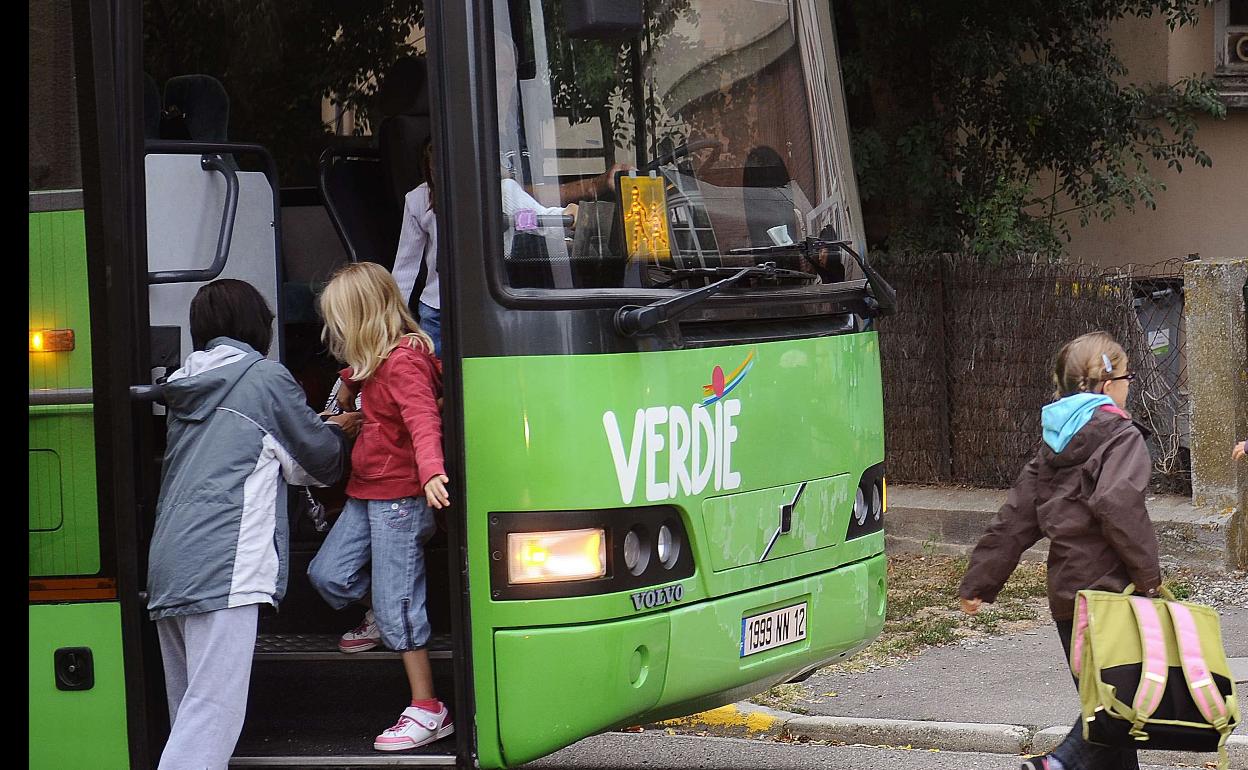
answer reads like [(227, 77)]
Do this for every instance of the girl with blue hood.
[(1084, 490)]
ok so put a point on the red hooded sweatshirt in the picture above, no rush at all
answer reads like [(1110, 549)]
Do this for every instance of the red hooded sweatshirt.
[(399, 448)]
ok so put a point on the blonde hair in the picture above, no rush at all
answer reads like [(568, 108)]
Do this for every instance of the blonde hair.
[(1087, 361), (366, 318)]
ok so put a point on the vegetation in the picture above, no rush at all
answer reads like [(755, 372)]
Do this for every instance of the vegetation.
[(985, 126)]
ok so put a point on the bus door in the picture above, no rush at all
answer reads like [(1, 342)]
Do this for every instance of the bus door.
[(218, 141), (207, 219)]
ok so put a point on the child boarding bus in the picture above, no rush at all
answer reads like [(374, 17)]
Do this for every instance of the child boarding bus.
[(662, 405)]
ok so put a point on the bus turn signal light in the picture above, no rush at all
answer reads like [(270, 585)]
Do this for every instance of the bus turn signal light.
[(551, 557), (51, 340)]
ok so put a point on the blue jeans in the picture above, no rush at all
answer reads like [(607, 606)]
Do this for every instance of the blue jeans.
[(391, 534), (431, 324)]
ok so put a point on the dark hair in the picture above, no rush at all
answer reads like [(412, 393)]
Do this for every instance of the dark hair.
[(234, 309), (426, 167)]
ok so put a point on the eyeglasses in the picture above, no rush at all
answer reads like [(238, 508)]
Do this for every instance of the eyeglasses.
[(1128, 377)]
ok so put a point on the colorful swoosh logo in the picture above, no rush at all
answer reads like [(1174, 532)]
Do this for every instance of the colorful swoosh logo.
[(721, 384)]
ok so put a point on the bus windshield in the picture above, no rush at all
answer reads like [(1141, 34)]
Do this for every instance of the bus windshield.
[(712, 127)]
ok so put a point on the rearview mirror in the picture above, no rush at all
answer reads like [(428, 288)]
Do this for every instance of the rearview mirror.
[(602, 19)]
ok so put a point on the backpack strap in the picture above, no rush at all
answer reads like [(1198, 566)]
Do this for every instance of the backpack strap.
[(1200, 684), (1077, 640), (1153, 671)]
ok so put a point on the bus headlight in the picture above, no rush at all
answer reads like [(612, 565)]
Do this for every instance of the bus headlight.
[(870, 503), (668, 547), (562, 554), (860, 508), (551, 557), (636, 551)]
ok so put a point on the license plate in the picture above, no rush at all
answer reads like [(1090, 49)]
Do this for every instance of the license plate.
[(773, 629)]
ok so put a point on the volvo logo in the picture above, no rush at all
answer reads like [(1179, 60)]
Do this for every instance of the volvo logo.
[(657, 597)]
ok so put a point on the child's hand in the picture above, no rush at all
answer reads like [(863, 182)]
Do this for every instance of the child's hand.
[(1240, 449), (435, 492), (350, 422), (971, 606), (346, 396)]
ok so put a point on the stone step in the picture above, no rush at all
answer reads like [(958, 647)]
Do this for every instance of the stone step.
[(950, 520)]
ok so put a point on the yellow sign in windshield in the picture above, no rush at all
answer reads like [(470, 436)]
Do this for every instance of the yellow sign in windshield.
[(645, 217)]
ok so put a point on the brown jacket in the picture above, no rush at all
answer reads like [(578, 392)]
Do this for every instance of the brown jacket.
[(1089, 501)]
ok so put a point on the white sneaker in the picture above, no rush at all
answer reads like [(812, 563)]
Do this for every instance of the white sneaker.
[(363, 637), (416, 727)]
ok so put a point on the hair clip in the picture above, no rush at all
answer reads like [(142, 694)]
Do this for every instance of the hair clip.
[(1108, 366)]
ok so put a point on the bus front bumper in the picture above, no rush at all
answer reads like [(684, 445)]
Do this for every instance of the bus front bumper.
[(597, 676)]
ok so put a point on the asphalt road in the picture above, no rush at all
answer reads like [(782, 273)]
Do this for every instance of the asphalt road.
[(657, 751)]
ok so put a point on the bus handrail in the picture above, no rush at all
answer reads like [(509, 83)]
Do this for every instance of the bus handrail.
[(60, 396), (218, 164), (70, 396)]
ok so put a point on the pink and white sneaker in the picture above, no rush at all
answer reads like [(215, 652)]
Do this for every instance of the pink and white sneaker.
[(363, 637), (416, 727)]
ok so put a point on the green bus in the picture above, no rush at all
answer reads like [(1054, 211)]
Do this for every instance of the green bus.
[(662, 414)]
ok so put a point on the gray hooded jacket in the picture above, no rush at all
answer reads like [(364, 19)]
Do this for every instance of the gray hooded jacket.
[(240, 430)]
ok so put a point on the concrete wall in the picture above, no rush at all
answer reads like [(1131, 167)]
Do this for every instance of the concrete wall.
[(1202, 210), (1218, 378)]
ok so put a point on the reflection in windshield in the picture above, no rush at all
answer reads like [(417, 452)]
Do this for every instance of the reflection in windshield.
[(735, 105)]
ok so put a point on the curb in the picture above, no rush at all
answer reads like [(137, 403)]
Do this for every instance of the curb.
[(745, 720), (946, 736)]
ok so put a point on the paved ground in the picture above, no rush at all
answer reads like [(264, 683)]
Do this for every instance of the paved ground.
[(1020, 679), (657, 751)]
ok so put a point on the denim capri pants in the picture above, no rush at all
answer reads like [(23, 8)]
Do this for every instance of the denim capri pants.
[(380, 545)]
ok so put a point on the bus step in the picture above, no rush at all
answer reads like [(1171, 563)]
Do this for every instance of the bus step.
[(324, 647), (303, 713), (365, 760)]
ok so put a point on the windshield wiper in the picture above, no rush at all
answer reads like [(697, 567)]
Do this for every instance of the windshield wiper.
[(883, 294), (676, 275), (634, 319)]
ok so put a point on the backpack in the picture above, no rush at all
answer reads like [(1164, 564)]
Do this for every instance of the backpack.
[(1152, 673)]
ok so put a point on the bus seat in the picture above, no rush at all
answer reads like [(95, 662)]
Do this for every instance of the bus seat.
[(353, 186), (765, 169), (151, 108), (403, 99), (196, 106)]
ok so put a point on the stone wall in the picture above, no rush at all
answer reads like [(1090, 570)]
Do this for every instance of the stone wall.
[(1217, 354)]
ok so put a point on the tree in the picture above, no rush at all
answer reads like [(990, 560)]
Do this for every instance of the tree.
[(959, 108)]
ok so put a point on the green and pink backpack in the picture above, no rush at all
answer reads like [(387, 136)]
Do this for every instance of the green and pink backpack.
[(1152, 673)]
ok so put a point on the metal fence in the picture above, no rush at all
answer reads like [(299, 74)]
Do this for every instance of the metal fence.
[(968, 361)]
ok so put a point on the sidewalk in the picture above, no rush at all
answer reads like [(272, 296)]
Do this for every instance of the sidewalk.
[(1010, 694)]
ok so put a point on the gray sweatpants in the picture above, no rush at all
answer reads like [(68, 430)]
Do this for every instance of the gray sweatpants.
[(207, 659)]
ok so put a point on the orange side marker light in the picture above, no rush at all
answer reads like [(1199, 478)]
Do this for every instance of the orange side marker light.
[(51, 340)]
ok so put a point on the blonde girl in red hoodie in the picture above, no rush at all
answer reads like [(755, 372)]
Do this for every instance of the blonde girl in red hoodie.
[(1084, 490), (397, 474)]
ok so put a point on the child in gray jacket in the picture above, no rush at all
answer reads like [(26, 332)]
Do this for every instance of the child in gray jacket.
[(239, 431)]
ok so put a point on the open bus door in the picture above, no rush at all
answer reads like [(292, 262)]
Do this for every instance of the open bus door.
[(177, 204)]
